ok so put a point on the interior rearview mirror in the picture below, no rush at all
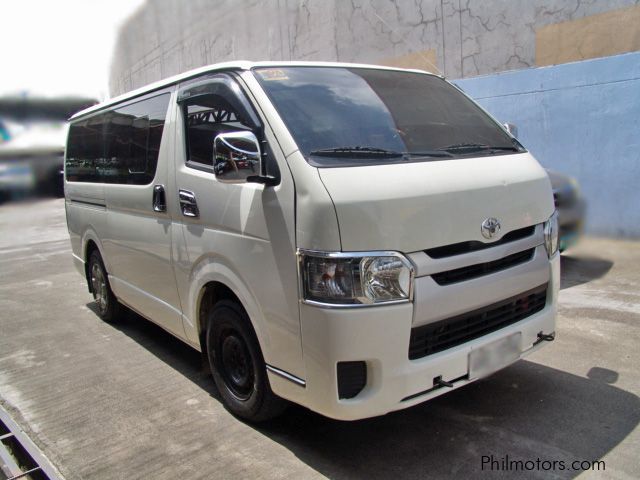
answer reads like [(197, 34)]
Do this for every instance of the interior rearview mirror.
[(236, 156), (512, 129)]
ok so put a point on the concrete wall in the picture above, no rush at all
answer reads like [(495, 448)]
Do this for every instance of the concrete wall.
[(462, 37), (582, 119)]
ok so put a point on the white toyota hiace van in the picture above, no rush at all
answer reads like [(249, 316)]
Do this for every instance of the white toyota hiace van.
[(352, 238)]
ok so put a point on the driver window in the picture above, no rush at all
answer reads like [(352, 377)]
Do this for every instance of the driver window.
[(206, 117)]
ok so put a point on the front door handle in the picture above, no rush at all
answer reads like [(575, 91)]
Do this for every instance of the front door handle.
[(188, 203), (159, 199)]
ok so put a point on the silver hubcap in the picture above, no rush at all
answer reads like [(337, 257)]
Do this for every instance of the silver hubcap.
[(99, 287)]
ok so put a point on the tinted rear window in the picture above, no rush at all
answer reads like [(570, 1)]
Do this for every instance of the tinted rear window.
[(118, 146)]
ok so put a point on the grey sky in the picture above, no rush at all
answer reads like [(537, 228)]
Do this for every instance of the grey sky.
[(59, 47)]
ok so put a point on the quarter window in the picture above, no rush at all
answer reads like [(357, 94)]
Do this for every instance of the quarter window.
[(206, 117), (85, 150)]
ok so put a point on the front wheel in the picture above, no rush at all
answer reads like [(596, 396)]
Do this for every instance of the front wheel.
[(238, 368)]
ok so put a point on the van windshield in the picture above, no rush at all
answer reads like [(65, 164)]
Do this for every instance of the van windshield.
[(357, 116)]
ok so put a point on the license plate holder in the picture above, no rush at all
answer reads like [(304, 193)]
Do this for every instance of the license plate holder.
[(494, 356)]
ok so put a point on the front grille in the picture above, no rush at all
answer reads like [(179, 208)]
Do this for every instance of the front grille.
[(444, 334), (474, 245), (480, 269)]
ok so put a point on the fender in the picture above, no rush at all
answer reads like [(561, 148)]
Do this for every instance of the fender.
[(212, 268), (90, 234)]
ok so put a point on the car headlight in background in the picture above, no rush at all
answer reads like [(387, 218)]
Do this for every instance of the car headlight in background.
[(352, 279), (551, 234), (575, 186)]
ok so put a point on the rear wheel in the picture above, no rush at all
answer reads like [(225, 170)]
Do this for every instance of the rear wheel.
[(237, 364), (109, 309)]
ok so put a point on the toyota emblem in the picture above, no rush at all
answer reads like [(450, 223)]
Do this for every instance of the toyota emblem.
[(490, 227)]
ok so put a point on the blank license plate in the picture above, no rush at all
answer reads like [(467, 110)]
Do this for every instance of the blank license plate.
[(494, 356)]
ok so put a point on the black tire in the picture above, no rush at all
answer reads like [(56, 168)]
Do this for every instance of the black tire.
[(108, 307), (237, 364)]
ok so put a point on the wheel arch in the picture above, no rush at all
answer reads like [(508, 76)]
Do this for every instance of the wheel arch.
[(220, 283), (91, 243), (210, 294)]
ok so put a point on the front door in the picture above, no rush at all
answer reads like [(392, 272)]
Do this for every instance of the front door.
[(239, 234)]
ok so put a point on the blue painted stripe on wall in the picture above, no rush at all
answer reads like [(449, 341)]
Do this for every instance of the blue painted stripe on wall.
[(582, 119)]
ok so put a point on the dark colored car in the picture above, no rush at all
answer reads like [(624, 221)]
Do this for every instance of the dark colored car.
[(570, 205), (569, 202)]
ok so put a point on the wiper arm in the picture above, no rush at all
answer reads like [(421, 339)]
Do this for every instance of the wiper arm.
[(475, 147), (360, 151), (429, 153), (375, 152)]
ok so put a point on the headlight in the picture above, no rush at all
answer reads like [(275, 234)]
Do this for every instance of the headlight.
[(551, 234), (355, 278)]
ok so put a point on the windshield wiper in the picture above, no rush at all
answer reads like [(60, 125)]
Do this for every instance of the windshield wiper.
[(429, 153), (374, 152), (476, 147), (360, 151)]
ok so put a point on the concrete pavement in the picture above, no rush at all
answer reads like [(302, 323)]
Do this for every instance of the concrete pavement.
[(130, 401)]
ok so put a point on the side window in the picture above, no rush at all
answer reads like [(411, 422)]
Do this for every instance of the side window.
[(75, 155), (85, 150), (210, 108), (119, 146), (132, 141), (208, 116)]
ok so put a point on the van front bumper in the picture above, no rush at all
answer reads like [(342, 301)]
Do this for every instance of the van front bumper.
[(380, 336)]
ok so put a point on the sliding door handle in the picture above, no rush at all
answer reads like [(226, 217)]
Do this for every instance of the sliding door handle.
[(159, 199), (188, 203)]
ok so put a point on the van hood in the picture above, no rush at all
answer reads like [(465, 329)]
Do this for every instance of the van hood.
[(415, 206)]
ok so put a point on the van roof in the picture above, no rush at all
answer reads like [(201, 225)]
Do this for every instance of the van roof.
[(226, 66)]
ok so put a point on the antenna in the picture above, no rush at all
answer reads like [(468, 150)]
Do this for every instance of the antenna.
[(414, 47)]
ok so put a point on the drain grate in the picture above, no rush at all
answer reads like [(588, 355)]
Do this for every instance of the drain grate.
[(20, 458)]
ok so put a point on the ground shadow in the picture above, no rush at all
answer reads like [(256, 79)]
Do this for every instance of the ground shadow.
[(166, 347), (526, 411), (576, 270)]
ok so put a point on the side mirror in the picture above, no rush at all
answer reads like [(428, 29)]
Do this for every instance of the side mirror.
[(512, 129), (236, 157)]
